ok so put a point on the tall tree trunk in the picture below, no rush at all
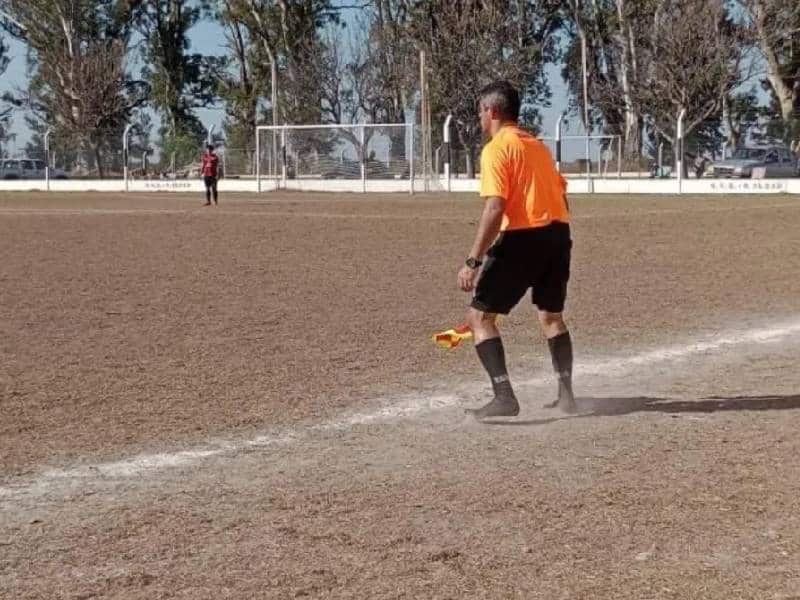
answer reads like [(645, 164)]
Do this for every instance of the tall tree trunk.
[(98, 159), (733, 128), (786, 95), (632, 142)]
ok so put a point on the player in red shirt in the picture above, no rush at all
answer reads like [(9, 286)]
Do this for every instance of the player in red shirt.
[(209, 169)]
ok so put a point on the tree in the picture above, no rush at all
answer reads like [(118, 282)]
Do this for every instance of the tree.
[(6, 110), (741, 114), (470, 43), (287, 35), (180, 81), (775, 26), (237, 84), (79, 83), (696, 55), (382, 77), (605, 28)]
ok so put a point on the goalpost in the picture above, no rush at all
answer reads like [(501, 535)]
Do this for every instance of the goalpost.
[(338, 157)]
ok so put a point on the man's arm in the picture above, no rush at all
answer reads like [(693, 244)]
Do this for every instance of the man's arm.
[(488, 228)]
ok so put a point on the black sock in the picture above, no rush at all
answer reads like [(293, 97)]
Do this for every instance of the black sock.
[(493, 358), (561, 353)]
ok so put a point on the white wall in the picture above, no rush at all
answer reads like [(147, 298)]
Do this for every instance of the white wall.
[(663, 186), (575, 185)]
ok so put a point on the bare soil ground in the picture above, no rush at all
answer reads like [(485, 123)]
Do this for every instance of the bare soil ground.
[(243, 402)]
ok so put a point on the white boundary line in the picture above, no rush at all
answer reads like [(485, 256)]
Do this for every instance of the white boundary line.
[(403, 407), (201, 211)]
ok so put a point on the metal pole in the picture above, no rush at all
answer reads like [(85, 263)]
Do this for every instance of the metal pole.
[(273, 167), (619, 157), (679, 142), (47, 158), (586, 125), (283, 154), (258, 159), (211, 134), (125, 154), (422, 118), (660, 158), (362, 140), (411, 159), (447, 153), (558, 141)]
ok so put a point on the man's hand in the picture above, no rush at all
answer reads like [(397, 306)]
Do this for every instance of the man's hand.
[(466, 278)]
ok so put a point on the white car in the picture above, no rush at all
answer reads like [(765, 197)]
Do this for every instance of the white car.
[(769, 161), (27, 168)]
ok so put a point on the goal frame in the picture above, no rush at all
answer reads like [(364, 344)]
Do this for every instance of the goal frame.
[(282, 181)]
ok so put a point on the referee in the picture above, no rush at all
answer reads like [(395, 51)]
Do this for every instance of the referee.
[(523, 242)]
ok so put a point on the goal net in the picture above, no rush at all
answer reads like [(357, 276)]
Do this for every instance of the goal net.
[(356, 158)]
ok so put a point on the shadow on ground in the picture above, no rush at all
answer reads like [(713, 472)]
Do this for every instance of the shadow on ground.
[(610, 407)]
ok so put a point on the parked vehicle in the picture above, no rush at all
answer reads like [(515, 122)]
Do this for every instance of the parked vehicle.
[(27, 168), (766, 161)]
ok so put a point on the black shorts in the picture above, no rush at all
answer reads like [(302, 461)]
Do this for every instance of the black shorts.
[(526, 258)]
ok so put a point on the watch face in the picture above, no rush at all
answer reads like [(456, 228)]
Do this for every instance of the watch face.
[(473, 263)]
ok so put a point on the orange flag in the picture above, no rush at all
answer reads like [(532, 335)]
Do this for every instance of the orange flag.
[(451, 338)]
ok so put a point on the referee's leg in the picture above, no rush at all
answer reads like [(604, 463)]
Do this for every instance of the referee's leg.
[(490, 351), (550, 296), (560, 344)]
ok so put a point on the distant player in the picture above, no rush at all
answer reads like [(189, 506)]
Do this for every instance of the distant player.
[(526, 204), (209, 169)]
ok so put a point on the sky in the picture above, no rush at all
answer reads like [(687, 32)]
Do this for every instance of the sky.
[(207, 38)]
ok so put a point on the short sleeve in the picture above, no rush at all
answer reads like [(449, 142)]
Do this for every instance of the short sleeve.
[(494, 173)]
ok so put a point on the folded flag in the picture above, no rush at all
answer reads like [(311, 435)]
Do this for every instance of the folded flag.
[(451, 338)]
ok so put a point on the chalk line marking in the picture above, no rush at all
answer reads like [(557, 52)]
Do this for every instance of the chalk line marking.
[(609, 213), (401, 407)]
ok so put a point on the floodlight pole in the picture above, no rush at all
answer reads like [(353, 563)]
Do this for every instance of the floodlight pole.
[(125, 153), (447, 155), (679, 148), (47, 158), (210, 134)]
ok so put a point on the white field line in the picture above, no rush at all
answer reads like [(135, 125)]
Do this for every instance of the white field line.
[(199, 210), (393, 409)]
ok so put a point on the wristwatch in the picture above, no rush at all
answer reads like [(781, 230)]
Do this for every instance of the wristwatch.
[(473, 263)]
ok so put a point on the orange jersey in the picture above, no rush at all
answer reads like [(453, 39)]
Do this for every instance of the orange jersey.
[(519, 168)]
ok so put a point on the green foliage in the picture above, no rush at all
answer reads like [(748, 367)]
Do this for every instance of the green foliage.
[(180, 81), (78, 82), (183, 146)]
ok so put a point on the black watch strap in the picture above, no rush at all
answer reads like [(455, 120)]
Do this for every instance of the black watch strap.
[(473, 263)]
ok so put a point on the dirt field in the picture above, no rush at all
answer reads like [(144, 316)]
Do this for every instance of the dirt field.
[(244, 402)]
